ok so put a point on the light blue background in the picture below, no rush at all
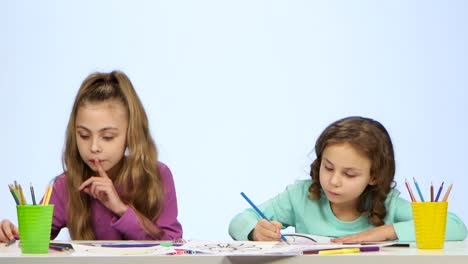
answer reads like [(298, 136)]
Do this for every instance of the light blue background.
[(237, 92)]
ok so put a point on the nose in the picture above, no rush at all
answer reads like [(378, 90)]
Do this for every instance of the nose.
[(95, 146), (335, 179)]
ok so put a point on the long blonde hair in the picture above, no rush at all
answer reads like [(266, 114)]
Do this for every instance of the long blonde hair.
[(370, 137), (138, 178)]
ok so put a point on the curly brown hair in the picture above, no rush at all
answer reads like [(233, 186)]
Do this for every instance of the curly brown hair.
[(371, 138)]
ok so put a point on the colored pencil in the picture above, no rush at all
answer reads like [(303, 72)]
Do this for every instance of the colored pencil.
[(33, 196), (48, 192), (21, 195), (12, 191), (432, 192), (438, 192), (413, 199), (259, 212), (447, 193), (419, 190)]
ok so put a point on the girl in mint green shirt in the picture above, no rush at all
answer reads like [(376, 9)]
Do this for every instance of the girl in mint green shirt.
[(350, 195)]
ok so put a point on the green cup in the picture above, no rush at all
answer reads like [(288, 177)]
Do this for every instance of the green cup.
[(35, 224)]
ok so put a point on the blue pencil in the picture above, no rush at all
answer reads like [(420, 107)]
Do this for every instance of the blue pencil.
[(259, 212), (438, 192), (419, 190)]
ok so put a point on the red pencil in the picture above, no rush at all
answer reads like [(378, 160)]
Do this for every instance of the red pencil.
[(410, 191)]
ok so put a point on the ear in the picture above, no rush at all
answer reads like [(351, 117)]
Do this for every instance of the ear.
[(373, 181)]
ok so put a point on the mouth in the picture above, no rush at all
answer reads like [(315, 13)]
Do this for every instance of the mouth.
[(333, 193), (93, 161)]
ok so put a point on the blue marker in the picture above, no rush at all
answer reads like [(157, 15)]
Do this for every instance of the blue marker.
[(259, 212), (419, 190)]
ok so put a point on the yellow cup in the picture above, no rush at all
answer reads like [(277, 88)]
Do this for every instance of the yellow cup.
[(429, 224)]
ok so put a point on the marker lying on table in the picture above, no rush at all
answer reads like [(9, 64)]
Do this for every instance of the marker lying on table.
[(119, 245), (60, 246), (339, 251), (350, 250), (260, 213)]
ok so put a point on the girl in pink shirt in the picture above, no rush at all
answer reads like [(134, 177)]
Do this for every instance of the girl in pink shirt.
[(113, 187)]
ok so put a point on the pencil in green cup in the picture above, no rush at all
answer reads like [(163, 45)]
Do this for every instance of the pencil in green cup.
[(33, 196), (21, 195), (13, 193)]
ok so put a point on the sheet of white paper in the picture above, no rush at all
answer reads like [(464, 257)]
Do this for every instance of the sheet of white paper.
[(260, 248), (230, 247), (307, 238), (86, 250)]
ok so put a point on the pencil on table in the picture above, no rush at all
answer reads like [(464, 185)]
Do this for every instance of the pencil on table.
[(10, 242)]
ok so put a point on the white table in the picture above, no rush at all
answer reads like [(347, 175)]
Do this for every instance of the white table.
[(454, 252)]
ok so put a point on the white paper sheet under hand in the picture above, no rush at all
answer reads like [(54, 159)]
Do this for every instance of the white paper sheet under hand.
[(246, 248), (86, 250), (251, 248)]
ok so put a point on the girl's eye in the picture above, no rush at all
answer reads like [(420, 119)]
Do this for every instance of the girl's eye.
[(108, 138), (84, 136), (328, 168), (350, 175)]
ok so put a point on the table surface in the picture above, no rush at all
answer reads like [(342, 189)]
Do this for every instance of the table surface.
[(453, 252)]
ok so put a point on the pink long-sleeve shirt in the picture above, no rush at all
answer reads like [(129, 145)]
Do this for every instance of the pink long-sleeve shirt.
[(108, 226)]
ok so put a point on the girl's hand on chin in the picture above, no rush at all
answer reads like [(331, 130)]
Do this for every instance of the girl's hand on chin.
[(102, 188)]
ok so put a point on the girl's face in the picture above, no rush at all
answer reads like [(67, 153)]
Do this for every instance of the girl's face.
[(101, 133), (344, 174)]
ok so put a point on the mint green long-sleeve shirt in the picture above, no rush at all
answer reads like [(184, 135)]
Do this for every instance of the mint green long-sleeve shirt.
[(293, 208)]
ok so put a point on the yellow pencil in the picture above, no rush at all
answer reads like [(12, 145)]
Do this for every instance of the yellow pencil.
[(22, 199), (47, 194)]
